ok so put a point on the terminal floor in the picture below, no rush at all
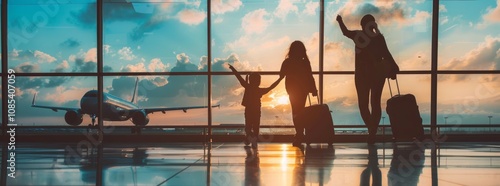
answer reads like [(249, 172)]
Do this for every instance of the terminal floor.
[(273, 164)]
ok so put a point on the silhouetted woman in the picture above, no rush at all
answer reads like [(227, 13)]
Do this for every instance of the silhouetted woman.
[(299, 82), (370, 73)]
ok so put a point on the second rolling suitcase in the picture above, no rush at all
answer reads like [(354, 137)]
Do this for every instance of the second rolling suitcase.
[(318, 124), (406, 123)]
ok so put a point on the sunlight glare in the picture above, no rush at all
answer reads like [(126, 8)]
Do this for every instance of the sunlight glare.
[(282, 100)]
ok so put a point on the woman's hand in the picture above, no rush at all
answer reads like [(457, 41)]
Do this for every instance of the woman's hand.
[(339, 18)]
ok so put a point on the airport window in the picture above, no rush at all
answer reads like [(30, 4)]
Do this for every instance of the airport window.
[(52, 37), (468, 40), (259, 33), (407, 32), (61, 94), (473, 104), (155, 36), (167, 44), (167, 100)]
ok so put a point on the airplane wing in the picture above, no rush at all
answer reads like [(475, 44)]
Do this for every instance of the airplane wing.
[(163, 110), (55, 109)]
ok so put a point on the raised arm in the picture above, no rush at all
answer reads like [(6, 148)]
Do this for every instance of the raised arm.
[(238, 76), (348, 33)]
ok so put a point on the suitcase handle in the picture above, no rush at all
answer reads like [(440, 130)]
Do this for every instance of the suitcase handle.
[(309, 98), (390, 89)]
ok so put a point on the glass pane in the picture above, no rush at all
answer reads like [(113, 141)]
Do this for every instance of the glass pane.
[(406, 26), (259, 33), (155, 94), (52, 36), (155, 36), (468, 99), (468, 35), (340, 95), (61, 93)]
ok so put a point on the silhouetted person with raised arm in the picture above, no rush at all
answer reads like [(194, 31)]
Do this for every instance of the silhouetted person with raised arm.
[(373, 63), (251, 101), (372, 170), (299, 83)]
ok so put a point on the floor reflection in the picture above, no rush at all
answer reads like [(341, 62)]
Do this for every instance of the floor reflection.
[(270, 164), (406, 165), (372, 170), (252, 166)]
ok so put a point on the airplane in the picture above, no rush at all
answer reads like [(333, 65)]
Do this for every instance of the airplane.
[(113, 109)]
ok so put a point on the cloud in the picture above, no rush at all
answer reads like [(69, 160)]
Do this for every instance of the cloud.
[(192, 17), (284, 8), (41, 82), (139, 67), (126, 54), (336, 56), (90, 55), (223, 6), (84, 66), (21, 54), (486, 56), (443, 20), (148, 16), (493, 14), (27, 67), (385, 13), (156, 65), (63, 94), (43, 57), (256, 21), (183, 64), (311, 8), (442, 8), (70, 43), (122, 87), (62, 66)]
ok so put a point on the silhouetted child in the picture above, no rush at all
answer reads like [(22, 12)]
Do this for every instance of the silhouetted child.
[(252, 104)]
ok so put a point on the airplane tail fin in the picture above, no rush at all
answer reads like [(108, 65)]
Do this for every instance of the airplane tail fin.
[(135, 90), (33, 102)]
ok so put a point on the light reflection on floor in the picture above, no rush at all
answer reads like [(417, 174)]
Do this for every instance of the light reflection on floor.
[(271, 164)]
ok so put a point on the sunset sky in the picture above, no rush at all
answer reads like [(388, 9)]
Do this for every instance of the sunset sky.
[(171, 36)]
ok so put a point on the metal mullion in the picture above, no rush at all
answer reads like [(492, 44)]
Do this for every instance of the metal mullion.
[(434, 66), (4, 55), (209, 65), (99, 172), (321, 48), (434, 70)]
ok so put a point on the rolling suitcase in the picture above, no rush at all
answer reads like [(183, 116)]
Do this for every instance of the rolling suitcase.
[(404, 116), (318, 123)]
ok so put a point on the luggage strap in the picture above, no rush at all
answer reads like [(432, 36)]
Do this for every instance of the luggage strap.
[(309, 98), (390, 89)]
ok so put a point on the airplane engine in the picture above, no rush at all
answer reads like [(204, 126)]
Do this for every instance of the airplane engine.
[(73, 118), (140, 118)]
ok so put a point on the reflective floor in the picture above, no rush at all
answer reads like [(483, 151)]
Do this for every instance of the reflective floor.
[(272, 164)]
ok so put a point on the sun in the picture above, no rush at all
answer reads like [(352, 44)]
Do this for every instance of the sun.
[(282, 100)]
